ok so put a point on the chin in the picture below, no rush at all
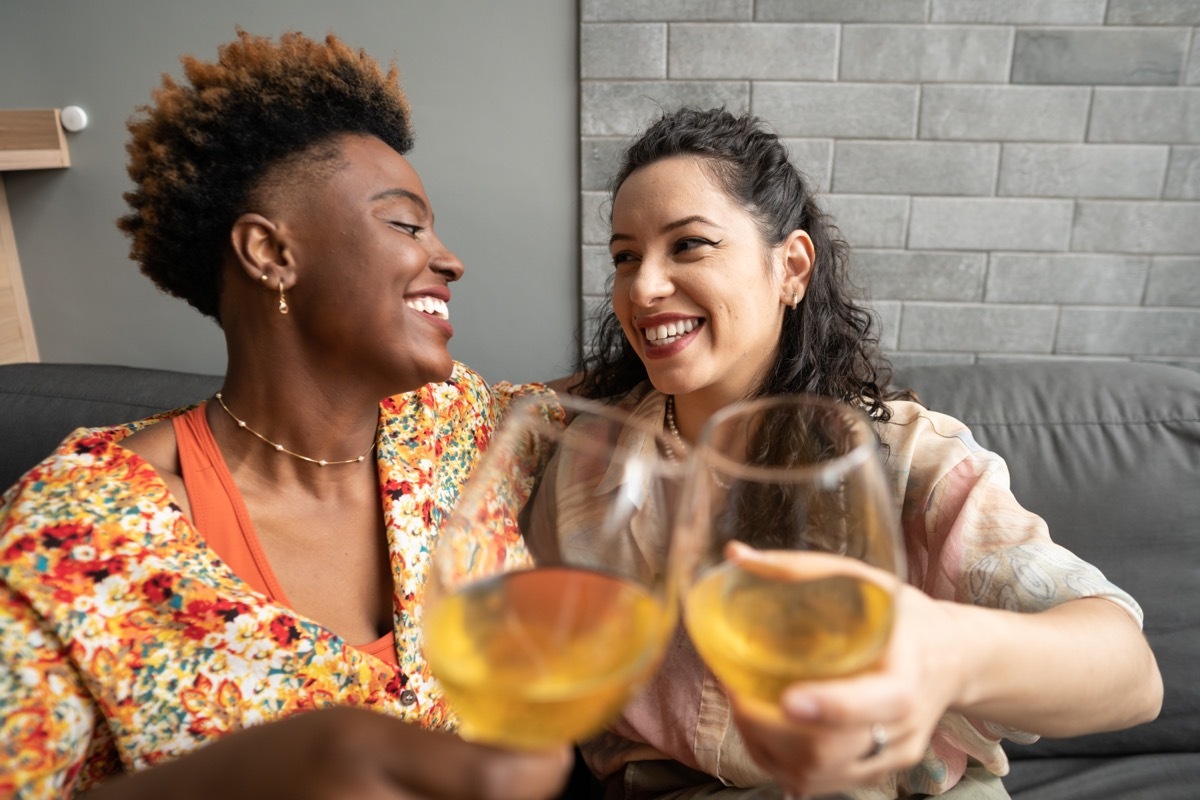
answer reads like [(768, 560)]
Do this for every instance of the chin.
[(440, 373), (670, 384), (413, 376)]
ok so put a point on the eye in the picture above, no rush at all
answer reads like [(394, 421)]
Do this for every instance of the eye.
[(411, 230), (623, 257), (693, 242)]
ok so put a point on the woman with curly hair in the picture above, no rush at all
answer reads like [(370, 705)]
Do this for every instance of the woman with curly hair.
[(167, 583), (728, 283)]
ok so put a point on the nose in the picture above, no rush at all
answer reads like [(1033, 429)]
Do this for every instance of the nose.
[(650, 283), (445, 263)]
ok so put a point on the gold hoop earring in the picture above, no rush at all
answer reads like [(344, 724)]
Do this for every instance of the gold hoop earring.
[(283, 306)]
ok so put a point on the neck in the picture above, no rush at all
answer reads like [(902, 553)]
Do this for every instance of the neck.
[(692, 410), (279, 447), (292, 432)]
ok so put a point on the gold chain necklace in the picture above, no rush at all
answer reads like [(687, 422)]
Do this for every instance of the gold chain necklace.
[(320, 462)]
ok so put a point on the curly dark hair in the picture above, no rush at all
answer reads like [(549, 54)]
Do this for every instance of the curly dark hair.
[(827, 345), (200, 153)]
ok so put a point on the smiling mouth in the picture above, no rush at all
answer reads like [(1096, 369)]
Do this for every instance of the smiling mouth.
[(429, 305), (671, 332)]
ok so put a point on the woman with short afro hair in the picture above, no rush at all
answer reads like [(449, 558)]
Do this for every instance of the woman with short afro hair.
[(167, 583), (213, 148)]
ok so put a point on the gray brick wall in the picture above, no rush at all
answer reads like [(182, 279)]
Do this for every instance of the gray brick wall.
[(1017, 179)]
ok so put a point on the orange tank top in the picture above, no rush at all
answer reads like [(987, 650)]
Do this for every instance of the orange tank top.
[(219, 513)]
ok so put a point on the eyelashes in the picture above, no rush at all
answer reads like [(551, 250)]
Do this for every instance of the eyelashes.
[(692, 242), (411, 230), (682, 246)]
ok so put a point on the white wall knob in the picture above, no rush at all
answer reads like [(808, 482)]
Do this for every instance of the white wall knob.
[(74, 118)]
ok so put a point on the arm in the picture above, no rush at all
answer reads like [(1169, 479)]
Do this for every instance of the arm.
[(1095, 671), (47, 718), (46, 714), (345, 753), (1082, 666), (47, 746)]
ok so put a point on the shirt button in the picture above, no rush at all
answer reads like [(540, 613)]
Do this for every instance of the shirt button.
[(408, 697)]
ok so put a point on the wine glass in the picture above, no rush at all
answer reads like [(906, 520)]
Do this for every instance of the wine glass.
[(801, 476), (552, 595)]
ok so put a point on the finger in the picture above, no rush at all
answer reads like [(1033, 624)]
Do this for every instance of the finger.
[(846, 772), (800, 565), (888, 751), (875, 765), (821, 760), (860, 700)]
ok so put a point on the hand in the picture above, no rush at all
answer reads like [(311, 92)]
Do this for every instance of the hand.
[(824, 741), (344, 753)]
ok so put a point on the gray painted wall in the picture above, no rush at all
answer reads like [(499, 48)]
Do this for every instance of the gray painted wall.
[(494, 94), (1018, 179)]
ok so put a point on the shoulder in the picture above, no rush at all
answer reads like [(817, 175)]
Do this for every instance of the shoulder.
[(463, 395), (156, 444), (912, 427), (466, 394), (922, 448), (91, 496), (491, 402), (90, 473)]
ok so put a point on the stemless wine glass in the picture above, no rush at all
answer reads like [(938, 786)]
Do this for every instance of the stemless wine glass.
[(803, 475), (551, 597)]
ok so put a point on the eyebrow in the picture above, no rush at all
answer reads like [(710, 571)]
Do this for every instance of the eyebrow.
[(670, 226), (389, 193)]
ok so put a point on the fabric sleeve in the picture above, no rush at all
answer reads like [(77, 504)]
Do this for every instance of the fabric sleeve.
[(47, 717), (506, 394), (987, 550), (492, 404), (484, 407), (470, 413), (970, 541)]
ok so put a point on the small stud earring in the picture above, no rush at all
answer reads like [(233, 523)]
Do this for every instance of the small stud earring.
[(264, 277), (795, 299), (283, 306)]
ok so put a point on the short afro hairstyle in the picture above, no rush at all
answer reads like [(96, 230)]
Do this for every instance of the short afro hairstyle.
[(201, 150)]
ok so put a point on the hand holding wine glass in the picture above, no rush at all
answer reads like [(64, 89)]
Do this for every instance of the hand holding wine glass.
[(540, 647), (799, 559)]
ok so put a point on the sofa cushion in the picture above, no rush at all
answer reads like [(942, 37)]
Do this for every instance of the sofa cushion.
[(41, 403), (1109, 455), (1152, 776)]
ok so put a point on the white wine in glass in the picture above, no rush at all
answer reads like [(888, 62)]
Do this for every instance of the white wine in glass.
[(545, 612), (801, 477)]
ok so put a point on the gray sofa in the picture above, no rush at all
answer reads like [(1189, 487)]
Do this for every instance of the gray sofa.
[(1107, 453)]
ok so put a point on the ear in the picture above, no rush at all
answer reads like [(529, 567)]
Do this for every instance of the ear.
[(262, 251), (797, 255)]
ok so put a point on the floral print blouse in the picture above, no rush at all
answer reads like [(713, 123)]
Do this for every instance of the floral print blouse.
[(125, 641)]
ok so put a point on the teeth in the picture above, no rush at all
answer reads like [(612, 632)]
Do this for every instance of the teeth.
[(429, 305), (670, 332)]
